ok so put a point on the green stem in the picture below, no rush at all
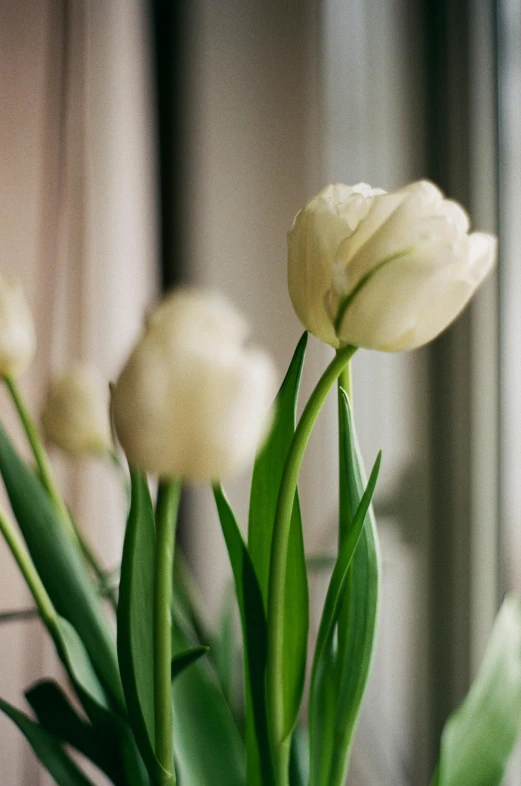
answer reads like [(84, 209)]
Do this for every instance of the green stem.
[(344, 382), (40, 456), (166, 520), (277, 581), (48, 480), (29, 572)]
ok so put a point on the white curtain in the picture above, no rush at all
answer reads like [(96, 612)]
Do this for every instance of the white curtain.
[(78, 227)]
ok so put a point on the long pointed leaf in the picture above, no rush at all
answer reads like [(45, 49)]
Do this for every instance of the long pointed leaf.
[(253, 621), (111, 727), (267, 475), (57, 715), (208, 747), (357, 626), (48, 749), (335, 593), (183, 659), (77, 663), (323, 699), (135, 614), (337, 711), (480, 735), (267, 472), (61, 569)]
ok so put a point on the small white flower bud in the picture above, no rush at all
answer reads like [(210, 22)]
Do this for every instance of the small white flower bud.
[(76, 414), (17, 333)]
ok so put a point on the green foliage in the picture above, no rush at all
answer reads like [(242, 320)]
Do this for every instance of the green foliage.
[(60, 566), (253, 621), (108, 725), (342, 665), (135, 615), (266, 481), (208, 746), (299, 758), (479, 736), (48, 749), (57, 716), (183, 659)]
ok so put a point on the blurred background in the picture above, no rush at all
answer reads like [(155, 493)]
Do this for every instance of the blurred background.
[(147, 143)]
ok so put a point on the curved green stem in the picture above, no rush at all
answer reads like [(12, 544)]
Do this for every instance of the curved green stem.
[(345, 381), (166, 520), (49, 482), (29, 572), (279, 550), (40, 456)]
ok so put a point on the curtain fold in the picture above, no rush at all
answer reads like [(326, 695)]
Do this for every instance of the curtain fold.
[(78, 226)]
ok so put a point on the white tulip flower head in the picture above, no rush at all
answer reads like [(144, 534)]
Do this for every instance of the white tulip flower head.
[(192, 401), (386, 271)]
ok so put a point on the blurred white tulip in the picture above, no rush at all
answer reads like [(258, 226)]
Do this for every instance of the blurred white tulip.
[(192, 401), (17, 333), (385, 271), (76, 413)]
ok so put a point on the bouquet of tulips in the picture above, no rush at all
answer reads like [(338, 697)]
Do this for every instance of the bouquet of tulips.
[(153, 702)]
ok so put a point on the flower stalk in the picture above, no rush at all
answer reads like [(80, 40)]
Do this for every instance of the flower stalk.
[(279, 550), (29, 572), (40, 456), (49, 483), (167, 506)]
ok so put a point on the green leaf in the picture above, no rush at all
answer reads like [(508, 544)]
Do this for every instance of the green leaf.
[(323, 718), (254, 631), (57, 715), (188, 605), (76, 660), (135, 615), (480, 735), (61, 569), (337, 584), (337, 701), (112, 728), (267, 476), (48, 749), (224, 648), (299, 758), (120, 739), (208, 747), (182, 660), (267, 472)]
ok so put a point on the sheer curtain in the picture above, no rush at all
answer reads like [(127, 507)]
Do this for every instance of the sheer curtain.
[(78, 226)]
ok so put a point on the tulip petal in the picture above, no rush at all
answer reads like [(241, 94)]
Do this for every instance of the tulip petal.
[(410, 301), (317, 233)]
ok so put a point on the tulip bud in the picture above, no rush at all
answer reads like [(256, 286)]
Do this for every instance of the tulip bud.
[(76, 414), (17, 334), (192, 401), (381, 270)]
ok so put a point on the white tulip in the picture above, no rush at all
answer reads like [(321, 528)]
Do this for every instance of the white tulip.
[(17, 333), (76, 414), (385, 271), (192, 401)]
